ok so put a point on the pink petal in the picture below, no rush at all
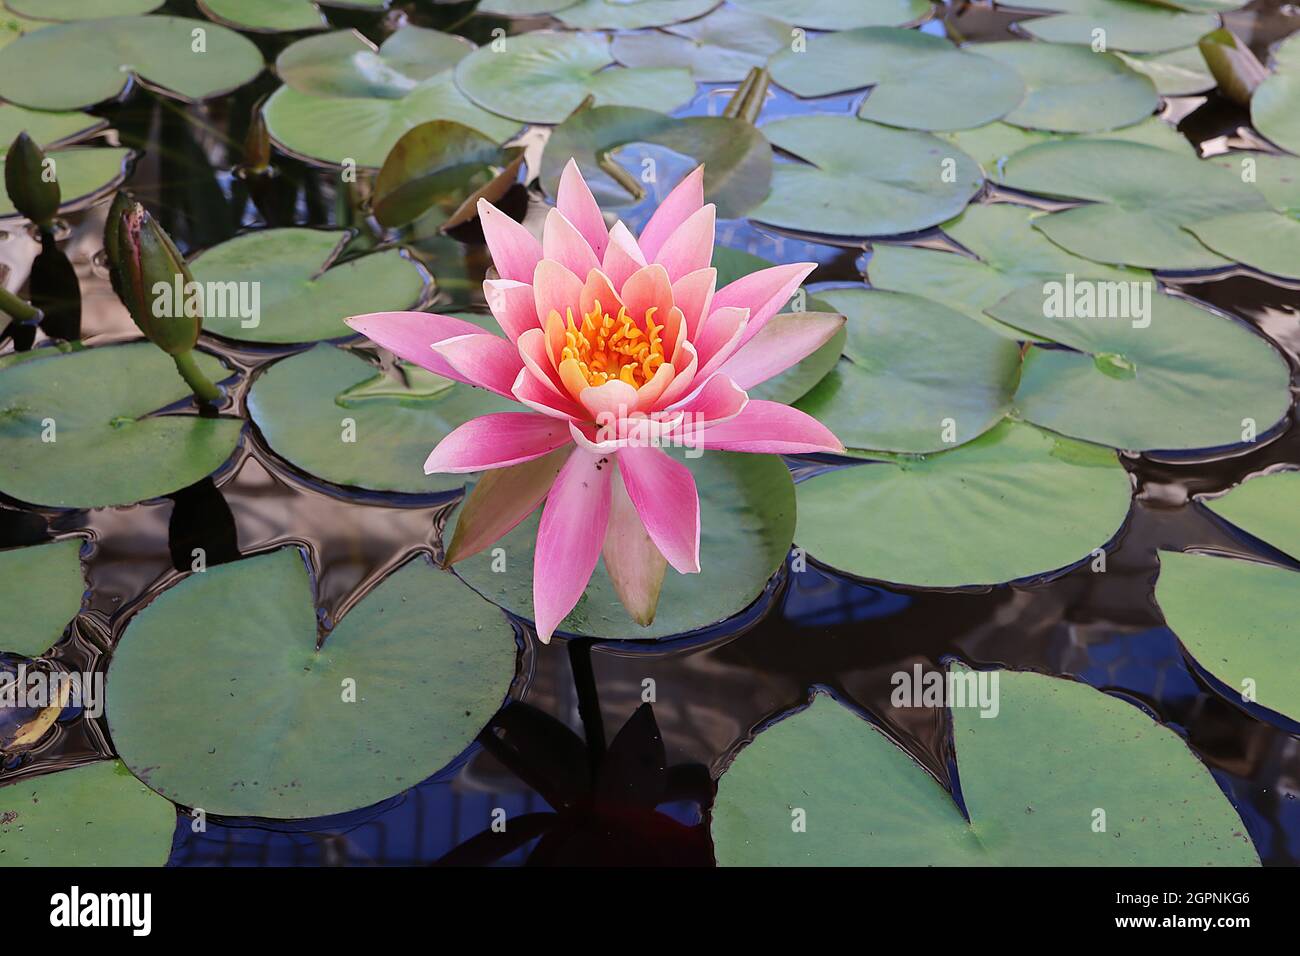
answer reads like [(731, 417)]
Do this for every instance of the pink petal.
[(648, 288), (678, 206), (717, 400), (690, 247), (500, 500), (533, 351), (562, 242), (514, 249), (680, 386), (556, 289), (622, 256), (599, 289), (769, 428), (513, 306), (693, 293), (570, 537), (638, 430), (663, 491), (632, 561), (408, 335), (609, 403), (496, 441), (720, 337), (529, 391), (785, 340), (579, 206), (764, 293), (487, 361)]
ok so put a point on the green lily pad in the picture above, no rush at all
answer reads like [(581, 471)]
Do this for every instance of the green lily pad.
[(737, 158), (1014, 503), (1165, 375), (266, 16), (1033, 781), (1070, 89), (1266, 507), (244, 716), (41, 590), (917, 81), (303, 405), (723, 46), (347, 129), (1008, 253), (1267, 241), (304, 296), (994, 144), (160, 51), (543, 77), (48, 129), (1130, 25), (94, 815), (521, 8), (915, 376), (860, 179), (1275, 104), (109, 447), (345, 63), (614, 15), (747, 512), (840, 14), (1140, 198), (80, 9), (85, 174), (1176, 73)]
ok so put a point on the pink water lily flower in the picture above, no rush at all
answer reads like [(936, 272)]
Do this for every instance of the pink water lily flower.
[(616, 346)]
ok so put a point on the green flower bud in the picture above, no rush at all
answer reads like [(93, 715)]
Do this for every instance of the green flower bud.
[(153, 280), (33, 191)]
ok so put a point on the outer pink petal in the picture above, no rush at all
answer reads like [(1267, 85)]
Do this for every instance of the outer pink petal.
[(529, 391), (785, 340), (562, 242), (663, 491), (769, 428), (514, 249), (679, 205), (487, 361), (690, 247), (763, 292), (499, 500), (496, 441), (717, 400), (569, 538), (632, 561), (693, 294), (408, 335), (555, 289), (622, 256), (513, 306), (721, 335), (579, 206)]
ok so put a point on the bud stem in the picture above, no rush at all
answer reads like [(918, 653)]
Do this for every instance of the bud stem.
[(16, 308), (203, 390)]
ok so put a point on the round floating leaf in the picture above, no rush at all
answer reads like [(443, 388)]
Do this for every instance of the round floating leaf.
[(1275, 104), (840, 14), (109, 447), (345, 63), (219, 698), (40, 589), (915, 376), (1267, 241), (747, 520), (1010, 253), (1233, 617), (1031, 779), (918, 81), (94, 815), (1177, 73), (363, 131), (724, 46), (159, 50), (1142, 371), (543, 77), (301, 294), (1140, 198), (521, 8), (736, 156), (994, 144), (307, 406), (46, 128), (1013, 503), (1070, 89), (1267, 507), (1131, 25), (80, 9), (616, 15), (85, 173), (861, 179), (266, 16)]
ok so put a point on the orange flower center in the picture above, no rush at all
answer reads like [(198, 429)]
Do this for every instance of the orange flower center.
[(608, 347)]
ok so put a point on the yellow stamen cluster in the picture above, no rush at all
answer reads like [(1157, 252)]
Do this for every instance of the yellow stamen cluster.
[(610, 347)]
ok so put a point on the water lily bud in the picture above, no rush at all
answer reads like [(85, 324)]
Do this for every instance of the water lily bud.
[(32, 191), (122, 202), (152, 281)]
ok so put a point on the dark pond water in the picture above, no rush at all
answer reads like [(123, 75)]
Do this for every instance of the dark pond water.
[(575, 725)]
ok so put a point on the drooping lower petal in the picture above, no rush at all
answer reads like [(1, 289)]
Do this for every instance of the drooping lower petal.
[(663, 491), (634, 564), (499, 500), (784, 341), (487, 361), (679, 205), (496, 441), (515, 251), (410, 335), (570, 538), (690, 247), (767, 428), (764, 293), (574, 199)]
